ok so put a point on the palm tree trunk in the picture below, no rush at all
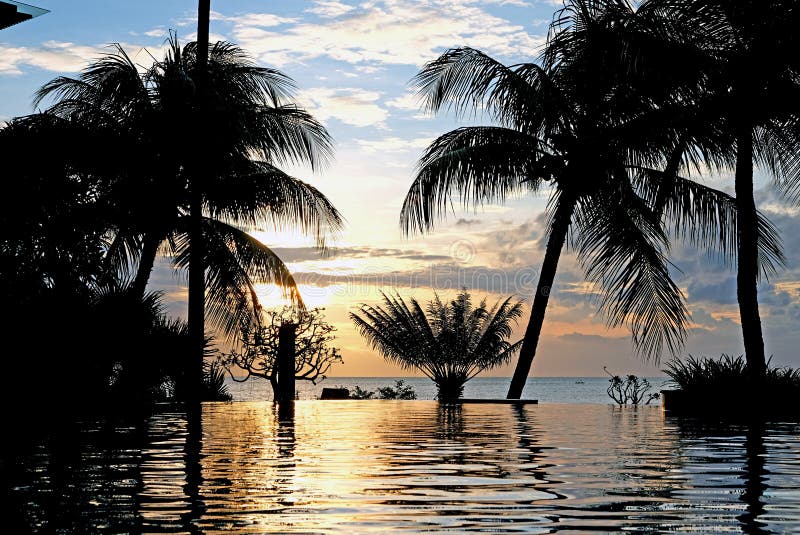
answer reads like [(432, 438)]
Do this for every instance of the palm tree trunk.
[(146, 262), (747, 256), (558, 235), (197, 286)]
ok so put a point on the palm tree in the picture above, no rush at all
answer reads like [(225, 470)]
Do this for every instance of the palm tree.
[(572, 121), (743, 76), (450, 344), (248, 127)]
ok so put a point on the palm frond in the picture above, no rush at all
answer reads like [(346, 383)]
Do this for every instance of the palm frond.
[(235, 262), (110, 87), (467, 80), (233, 73), (122, 252), (706, 217), (482, 164), (289, 134), (253, 192), (620, 247)]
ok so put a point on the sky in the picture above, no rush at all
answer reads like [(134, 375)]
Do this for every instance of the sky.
[(352, 62)]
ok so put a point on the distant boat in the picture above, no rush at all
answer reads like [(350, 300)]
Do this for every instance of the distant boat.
[(579, 382)]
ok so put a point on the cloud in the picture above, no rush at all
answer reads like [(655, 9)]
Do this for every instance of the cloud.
[(392, 144), (156, 32), (790, 288), (583, 288), (353, 106), (303, 254), (516, 245), (437, 276), (369, 69), (266, 20), (386, 32), (720, 291), (408, 102), (330, 9), (517, 3), (58, 56), (53, 56), (463, 222)]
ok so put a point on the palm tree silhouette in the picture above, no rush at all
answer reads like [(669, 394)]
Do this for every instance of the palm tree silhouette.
[(246, 126), (577, 123), (450, 344), (741, 75)]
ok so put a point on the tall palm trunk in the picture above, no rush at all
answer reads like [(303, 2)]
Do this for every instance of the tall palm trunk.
[(747, 256), (146, 263), (197, 286), (558, 235)]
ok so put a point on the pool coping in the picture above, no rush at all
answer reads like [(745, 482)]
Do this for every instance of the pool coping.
[(500, 401)]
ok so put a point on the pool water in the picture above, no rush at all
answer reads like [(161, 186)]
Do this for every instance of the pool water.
[(393, 466)]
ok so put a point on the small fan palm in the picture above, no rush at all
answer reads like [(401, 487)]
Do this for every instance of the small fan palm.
[(451, 343)]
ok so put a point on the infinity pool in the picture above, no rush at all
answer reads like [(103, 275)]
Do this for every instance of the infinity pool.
[(390, 466)]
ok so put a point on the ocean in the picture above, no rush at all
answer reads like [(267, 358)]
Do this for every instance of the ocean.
[(544, 389)]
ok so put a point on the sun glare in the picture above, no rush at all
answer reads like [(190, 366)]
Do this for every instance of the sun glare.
[(271, 295)]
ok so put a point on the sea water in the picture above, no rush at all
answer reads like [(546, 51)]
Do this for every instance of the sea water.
[(545, 389)]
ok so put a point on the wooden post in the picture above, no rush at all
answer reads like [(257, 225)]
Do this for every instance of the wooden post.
[(287, 335)]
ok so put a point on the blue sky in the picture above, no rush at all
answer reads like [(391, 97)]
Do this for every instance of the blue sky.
[(352, 62)]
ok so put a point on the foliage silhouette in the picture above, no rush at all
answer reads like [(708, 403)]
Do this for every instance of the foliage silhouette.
[(400, 390), (712, 377), (360, 393), (630, 390), (246, 126), (214, 387), (740, 76), (587, 122)]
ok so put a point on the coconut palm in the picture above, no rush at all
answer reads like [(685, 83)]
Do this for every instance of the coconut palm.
[(575, 122), (743, 76), (247, 126), (451, 343)]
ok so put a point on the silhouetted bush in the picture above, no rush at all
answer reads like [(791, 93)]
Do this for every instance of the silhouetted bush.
[(400, 390), (724, 387), (359, 393), (729, 374)]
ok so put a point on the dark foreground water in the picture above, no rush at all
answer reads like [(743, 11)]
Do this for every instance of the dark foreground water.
[(389, 466)]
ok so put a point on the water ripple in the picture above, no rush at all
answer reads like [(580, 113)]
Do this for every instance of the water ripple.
[(363, 466)]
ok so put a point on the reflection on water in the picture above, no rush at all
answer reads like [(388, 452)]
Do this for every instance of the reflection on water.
[(363, 466)]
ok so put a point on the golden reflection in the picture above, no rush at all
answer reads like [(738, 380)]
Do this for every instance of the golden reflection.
[(163, 502), (420, 465), (367, 466)]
